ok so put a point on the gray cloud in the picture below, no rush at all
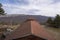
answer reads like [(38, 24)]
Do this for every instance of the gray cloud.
[(56, 1), (33, 11)]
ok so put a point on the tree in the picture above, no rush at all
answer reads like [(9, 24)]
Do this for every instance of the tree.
[(2, 12), (0, 5), (56, 21), (49, 21)]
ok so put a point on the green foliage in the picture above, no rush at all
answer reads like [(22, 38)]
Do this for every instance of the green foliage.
[(2, 12), (54, 23), (49, 21)]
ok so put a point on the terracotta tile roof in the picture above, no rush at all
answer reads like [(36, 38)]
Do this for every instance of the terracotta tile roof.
[(30, 27)]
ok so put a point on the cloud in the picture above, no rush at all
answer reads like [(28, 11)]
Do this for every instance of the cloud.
[(56, 1), (33, 7)]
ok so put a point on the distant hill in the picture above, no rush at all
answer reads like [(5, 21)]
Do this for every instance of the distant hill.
[(21, 18)]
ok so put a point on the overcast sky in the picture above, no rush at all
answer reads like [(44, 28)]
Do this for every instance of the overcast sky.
[(32, 7)]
